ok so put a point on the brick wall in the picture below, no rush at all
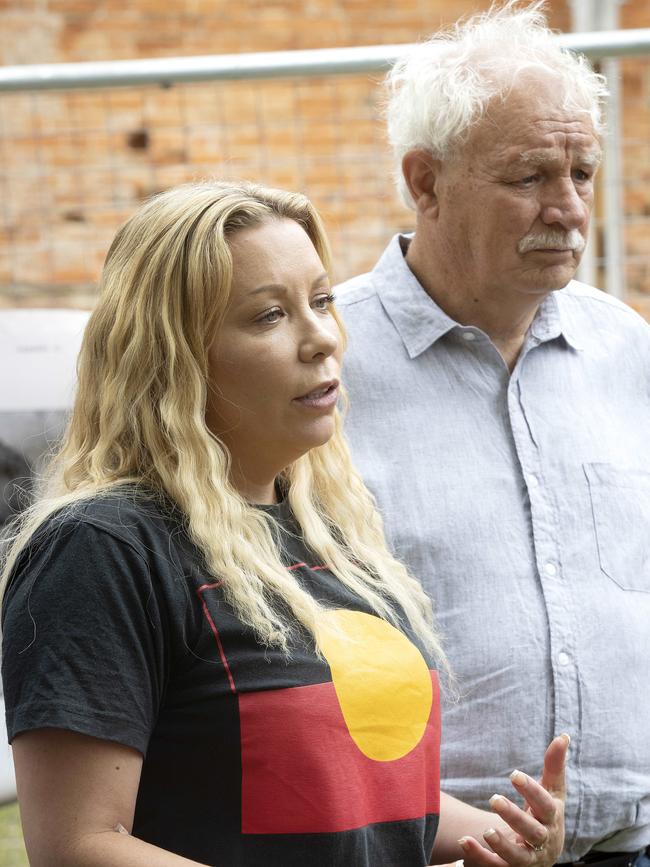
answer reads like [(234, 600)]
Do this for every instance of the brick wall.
[(73, 165)]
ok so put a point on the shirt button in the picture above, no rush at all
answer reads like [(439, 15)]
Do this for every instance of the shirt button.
[(563, 658), (469, 335), (533, 481), (550, 569)]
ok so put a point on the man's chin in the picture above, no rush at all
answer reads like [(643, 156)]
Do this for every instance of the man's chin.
[(550, 279)]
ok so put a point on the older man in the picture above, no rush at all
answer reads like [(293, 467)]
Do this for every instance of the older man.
[(500, 412)]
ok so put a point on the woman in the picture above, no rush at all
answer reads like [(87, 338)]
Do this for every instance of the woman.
[(210, 656)]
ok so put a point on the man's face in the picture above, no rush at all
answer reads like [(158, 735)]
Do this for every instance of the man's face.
[(514, 204)]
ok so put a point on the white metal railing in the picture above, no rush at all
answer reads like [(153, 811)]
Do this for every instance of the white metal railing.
[(167, 71)]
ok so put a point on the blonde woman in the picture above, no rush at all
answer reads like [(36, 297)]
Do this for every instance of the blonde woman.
[(210, 656)]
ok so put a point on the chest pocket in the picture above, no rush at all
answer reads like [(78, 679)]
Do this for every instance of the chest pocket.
[(620, 504)]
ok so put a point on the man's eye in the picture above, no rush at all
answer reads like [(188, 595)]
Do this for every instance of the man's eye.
[(580, 175), (529, 180), (322, 302), (270, 316)]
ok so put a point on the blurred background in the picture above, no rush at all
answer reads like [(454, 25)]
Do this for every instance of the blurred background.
[(75, 163)]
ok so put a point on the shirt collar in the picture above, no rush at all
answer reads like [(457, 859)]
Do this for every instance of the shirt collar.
[(553, 320), (417, 318), (420, 322)]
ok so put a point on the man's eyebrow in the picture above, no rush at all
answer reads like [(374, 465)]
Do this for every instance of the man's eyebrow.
[(593, 159), (539, 158), (280, 287)]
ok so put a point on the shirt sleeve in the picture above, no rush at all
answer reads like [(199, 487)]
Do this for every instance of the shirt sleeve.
[(84, 637)]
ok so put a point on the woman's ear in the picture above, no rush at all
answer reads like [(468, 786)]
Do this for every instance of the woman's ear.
[(421, 170)]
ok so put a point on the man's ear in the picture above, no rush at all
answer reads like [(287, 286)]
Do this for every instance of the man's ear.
[(421, 171)]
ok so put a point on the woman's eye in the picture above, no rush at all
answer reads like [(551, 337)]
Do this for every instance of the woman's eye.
[(270, 316), (322, 302)]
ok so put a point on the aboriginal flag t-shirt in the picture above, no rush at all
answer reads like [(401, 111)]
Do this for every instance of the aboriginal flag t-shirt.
[(113, 628)]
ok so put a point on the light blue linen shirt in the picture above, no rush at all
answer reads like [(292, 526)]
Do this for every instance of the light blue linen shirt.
[(522, 502)]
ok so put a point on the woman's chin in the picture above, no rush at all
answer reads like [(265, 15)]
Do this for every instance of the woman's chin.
[(318, 435)]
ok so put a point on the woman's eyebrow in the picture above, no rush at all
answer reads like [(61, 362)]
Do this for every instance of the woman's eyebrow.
[(280, 287), (268, 287)]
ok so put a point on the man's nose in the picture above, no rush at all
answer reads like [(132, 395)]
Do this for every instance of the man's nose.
[(562, 204)]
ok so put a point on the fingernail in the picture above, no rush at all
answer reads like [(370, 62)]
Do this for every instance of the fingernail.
[(121, 829), (463, 843), (567, 738), (495, 799), (489, 833), (518, 777)]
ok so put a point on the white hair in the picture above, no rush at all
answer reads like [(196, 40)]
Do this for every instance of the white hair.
[(442, 88)]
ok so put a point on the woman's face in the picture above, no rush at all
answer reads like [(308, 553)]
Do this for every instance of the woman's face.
[(275, 362)]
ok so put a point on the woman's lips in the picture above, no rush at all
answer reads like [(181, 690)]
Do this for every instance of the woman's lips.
[(322, 397)]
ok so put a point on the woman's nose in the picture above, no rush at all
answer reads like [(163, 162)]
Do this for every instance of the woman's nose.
[(321, 337)]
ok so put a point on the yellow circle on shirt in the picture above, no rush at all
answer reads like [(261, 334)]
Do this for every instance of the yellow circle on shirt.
[(381, 681)]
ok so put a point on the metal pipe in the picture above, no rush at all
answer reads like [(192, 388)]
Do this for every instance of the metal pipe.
[(583, 20), (614, 247), (591, 15), (166, 71)]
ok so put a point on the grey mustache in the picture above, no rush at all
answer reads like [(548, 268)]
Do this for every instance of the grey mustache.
[(552, 240)]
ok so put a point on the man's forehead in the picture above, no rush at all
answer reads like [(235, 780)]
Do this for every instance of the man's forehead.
[(535, 133), (535, 104)]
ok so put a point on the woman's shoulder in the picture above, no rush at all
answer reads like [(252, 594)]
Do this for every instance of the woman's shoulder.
[(130, 526), (132, 514), (123, 546)]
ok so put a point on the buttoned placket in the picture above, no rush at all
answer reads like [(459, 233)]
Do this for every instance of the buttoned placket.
[(562, 623)]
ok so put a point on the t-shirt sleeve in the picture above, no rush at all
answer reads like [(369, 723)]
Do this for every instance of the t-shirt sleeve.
[(83, 637)]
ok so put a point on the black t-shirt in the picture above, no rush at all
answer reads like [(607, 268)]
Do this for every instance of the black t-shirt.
[(113, 628)]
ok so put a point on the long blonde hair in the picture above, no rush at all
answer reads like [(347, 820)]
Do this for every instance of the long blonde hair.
[(139, 418)]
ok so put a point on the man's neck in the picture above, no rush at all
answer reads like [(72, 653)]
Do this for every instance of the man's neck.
[(505, 321)]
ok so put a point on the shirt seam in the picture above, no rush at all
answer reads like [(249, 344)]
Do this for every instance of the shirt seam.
[(26, 709)]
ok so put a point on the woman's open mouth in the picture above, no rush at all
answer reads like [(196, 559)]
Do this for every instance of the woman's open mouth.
[(322, 397)]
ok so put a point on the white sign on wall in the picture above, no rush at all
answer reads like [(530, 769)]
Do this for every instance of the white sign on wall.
[(38, 355)]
